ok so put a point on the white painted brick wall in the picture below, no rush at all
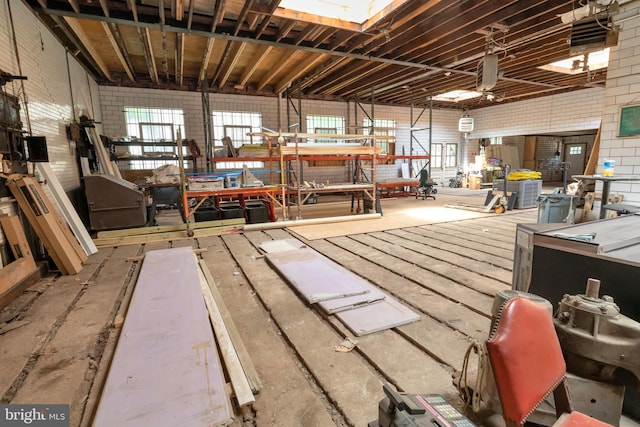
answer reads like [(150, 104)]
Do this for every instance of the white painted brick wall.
[(445, 122), (622, 88), (48, 89), (580, 110)]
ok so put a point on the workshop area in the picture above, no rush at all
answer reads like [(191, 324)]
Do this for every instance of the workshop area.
[(380, 213)]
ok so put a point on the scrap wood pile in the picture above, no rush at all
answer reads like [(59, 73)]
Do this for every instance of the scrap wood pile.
[(166, 368), (56, 223), (139, 235)]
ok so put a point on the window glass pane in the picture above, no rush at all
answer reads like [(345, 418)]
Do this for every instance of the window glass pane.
[(576, 149), (436, 155), (451, 159), (382, 127), (236, 125), (153, 125), (325, 124)]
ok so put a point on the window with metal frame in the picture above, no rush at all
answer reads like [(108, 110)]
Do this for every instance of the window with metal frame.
[(235, 125), (333, 125), (436, 155), (384, 128), (147, 126), (451, 155)]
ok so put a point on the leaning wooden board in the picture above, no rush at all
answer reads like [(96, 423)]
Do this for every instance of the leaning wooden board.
[(165, 370), (48, 224)]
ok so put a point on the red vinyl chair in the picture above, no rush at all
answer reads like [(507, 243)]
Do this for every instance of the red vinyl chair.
[(528, 365)]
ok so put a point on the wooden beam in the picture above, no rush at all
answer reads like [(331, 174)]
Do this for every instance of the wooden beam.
[(255, 62), (108, 30), (243, 14), (205, 59), (285, 29), (168, 228), (105, 7), (145, 37), (75, 6), (163, 34), (303, 67), (282, 62), (190, 15), (179, 10), (166, 325), (239, 382), (75, 26), (179, 58), (243, 354), (234, 56), (134, 10)]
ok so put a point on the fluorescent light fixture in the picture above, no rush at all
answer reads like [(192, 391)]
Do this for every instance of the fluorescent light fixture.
[(357, 11), (457, 95), (575, 65)]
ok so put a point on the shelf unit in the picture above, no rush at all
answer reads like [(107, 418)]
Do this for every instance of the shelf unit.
[(279, 195)]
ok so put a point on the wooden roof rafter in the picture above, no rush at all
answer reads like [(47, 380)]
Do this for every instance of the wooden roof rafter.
[(119, 47)]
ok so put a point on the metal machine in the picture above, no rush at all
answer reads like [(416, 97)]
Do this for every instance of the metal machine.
[(417, 410), (598, 335)]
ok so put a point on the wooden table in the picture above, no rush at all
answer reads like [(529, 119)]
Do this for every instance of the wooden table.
[(606, 186)]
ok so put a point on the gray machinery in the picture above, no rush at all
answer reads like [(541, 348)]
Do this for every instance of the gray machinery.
[(600, 336), (114, 203)]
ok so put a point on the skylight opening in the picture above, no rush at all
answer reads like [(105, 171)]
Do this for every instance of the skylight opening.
[(576, 65), (342, 13), (457, 95)]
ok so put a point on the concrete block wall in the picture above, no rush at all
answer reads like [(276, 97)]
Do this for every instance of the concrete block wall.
[(573, 111), (622, 88), (444, 128), (57, 90)]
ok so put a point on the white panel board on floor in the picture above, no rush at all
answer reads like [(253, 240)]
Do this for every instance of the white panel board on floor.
[(316, 277), (165, 370), (385, 314)]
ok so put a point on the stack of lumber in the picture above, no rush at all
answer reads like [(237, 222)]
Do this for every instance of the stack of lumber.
[(134, 236), (13, 276), (166, 369), (53, 231)]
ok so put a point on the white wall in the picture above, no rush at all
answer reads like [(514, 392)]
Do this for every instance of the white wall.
[(50, 85), (623, 88), (573, 111), (114, 99)]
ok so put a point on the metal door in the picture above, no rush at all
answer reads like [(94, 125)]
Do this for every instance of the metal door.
[(576, 154)]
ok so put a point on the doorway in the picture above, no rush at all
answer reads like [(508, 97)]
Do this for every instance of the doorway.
[(576, 155)]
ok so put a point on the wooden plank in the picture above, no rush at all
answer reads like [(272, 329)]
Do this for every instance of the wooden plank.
[(66, 208), (337, 149), (290, 399), (169, 228), (243, 355), (165, 369), (157, 237), (54, 216), (590, 168), (43, 220), (239, 381), (345, 377), (14, 233), (13, 273)]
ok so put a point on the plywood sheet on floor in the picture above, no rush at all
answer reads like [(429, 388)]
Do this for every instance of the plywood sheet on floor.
[(165, 370), (371, 318), (315, 276), (396, 213)]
